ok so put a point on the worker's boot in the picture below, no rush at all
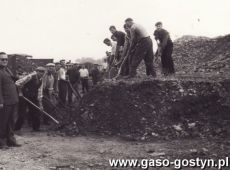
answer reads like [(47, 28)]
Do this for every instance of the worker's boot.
[(11, 142), (3, 144)]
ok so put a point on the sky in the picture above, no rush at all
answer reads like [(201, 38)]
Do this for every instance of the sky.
[(71, 29)]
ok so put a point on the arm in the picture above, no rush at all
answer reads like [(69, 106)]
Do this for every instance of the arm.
[(121, 36), (87, 73), (125, 50), (133, 37), (165, 40), (118, 45), (21, 82), (40, 95), (51, 85), (1, 95), (159, 49)]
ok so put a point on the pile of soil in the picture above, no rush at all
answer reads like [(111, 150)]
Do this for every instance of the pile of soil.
[(201, 54), (145, 109)]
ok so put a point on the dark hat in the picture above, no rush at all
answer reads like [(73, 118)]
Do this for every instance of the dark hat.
[(158, 23), (128, 20)]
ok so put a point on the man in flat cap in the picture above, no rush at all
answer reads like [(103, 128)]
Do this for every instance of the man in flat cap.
[(33, 90), (48, 90), (165, 49), (141, 48), (8, 104)]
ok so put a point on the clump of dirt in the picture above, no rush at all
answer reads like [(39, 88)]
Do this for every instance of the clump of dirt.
[(201, 54), (198, 105), (149, 109)]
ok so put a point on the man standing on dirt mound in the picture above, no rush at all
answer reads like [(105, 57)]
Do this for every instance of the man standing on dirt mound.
[(141, 48), (165, 49), (120, 38)]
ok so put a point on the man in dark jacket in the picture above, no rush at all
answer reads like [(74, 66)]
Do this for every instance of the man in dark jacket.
[(165, 49), (8, 104), (33, 90), (120, 39)]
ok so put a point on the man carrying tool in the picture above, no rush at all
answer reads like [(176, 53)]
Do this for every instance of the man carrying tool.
[(48, 90), (141, 48), (120, 38), (8, 104), (165, 49), (33, 91)]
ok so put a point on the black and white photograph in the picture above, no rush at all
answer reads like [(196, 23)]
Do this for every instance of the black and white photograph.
[(115, 85)]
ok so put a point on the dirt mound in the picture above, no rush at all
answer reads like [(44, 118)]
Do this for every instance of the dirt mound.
[(201, 54), (147, 109)]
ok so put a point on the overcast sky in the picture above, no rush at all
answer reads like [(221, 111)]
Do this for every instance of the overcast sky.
[(73, 29)]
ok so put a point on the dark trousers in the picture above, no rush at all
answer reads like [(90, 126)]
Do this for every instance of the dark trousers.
[(167, 61), (48, 104), (7, 122), (34, 114), (70, 94), (143, 50), (62, 89), (125, 68), (22, 106), (85, 84), (95, 80)]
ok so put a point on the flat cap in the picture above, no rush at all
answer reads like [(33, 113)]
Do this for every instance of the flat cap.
[(40, 69), (50, 64)]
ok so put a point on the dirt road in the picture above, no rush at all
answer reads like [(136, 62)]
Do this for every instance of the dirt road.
[(43, 151)]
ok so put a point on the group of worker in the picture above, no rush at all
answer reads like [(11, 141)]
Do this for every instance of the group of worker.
[(26, 94), (130, 48)]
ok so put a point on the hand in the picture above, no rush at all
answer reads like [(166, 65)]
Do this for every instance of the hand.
[(155, 58), (50, 92), (33, 73), (1, 106), (159, 54), (41, 108)]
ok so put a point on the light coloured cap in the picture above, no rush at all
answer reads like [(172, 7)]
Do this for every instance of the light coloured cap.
[(50, 65), (40, 69)]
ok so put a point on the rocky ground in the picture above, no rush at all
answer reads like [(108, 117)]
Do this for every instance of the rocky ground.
[(196, 55), (145, 109), (44, 151)]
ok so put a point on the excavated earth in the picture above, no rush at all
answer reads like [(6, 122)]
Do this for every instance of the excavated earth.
[(146, 109)]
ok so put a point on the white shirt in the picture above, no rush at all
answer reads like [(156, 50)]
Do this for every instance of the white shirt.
[(114, 47), (61, 74), (84, 73)]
